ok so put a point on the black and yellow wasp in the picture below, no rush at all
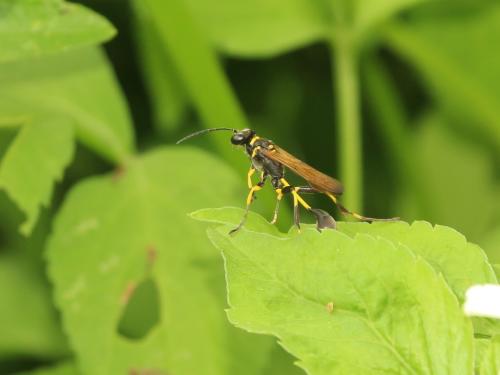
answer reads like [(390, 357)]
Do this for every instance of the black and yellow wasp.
[(271, 161)]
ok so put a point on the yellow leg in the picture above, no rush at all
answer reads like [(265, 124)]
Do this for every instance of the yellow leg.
[(251, 171), (255, 150), (296, 197), (279, 192), (253, 189)]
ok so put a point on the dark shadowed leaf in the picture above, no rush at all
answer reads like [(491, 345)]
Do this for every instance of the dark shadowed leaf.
[(115, 232)]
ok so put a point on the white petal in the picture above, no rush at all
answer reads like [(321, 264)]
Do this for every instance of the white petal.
[(483, 300)]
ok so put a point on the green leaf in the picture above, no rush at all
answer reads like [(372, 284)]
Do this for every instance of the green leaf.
[(491, 361), (32, 28), (369, 13), (261, 27), (455, 56), (168, 95), (461, 263), (55, 97), (342, 305), (114, 232), (33, 163), (66, 368), (79, 86)]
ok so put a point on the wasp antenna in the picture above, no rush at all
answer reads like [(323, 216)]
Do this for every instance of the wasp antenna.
[(203, 132)]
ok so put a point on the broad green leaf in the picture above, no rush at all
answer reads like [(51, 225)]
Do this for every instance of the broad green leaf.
[(55, 97), (342, 305), (78, 86), (114, 232), (66, 368), (34, 162), (168, 95), (455, 56), (461, 263), (262, 27), (491, 360), (31, 28), (369, 13)]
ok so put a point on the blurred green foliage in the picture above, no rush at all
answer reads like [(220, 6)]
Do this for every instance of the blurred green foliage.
[(398, 98)]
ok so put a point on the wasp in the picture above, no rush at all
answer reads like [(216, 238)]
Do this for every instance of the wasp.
[(271, 161)]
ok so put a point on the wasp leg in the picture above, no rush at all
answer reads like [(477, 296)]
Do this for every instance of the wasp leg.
[(250, 199), (345, 211), (287, 188), (296, 211), (277, 207), (323, 219), (250, 173), (277, 186)]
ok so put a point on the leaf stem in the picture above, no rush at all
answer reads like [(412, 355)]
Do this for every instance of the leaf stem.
[(345, 72)]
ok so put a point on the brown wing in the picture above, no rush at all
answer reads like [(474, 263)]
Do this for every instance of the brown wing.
[(315, 178)]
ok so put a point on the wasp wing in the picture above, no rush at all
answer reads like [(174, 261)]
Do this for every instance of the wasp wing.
[(314, 178)]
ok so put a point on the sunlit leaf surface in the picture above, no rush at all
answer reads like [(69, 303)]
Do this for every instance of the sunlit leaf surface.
[(346, 305), (32, 28)]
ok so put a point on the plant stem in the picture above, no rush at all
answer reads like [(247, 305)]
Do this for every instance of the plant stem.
[(345, 71)]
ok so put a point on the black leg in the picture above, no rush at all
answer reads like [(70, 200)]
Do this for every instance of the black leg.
[(345, 211), (323, 218)]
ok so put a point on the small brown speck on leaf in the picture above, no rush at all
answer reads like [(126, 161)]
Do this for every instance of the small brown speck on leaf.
[(64, 9), (329, 307), (118, 173), (151, 254)]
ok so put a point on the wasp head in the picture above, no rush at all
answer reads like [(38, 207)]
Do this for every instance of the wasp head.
[(242, 137)]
